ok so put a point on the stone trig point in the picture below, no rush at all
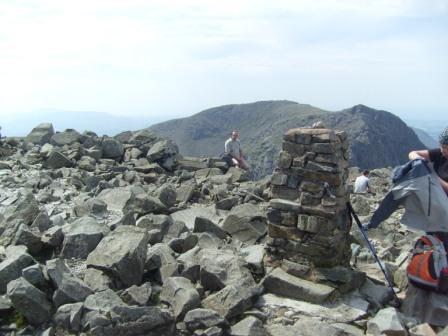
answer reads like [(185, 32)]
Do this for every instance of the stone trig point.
[(308, 223)]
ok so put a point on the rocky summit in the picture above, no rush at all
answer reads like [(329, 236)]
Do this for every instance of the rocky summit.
[(125, 236)]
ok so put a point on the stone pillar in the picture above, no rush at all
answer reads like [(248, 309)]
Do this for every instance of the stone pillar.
[(308, 223)]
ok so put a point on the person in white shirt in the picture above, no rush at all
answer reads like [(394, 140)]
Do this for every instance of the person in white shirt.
[(362, 183), (233, 154)]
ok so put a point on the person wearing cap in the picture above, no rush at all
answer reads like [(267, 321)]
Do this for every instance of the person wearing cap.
[(438, 156), (233, 154)]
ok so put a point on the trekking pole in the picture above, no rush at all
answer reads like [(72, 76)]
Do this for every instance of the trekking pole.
[(372, 250)]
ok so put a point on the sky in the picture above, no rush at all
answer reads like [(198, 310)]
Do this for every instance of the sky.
[(164, 59)]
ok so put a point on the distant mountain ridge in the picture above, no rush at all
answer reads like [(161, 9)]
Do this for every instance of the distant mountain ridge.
[(425, 138), (378, 138), (98, 122)]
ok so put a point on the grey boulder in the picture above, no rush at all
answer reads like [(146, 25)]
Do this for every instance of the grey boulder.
[(281, 283), (162, 149), (11, 268), (112, 148), (123, 254), (202, 224), (68, 288), (138, 295), (181, 295), (201, 318), (29, 301), (68, 137), (136, 321), (41, 134), (232, 300), (69, 316), (250, 326), (386, 322), (28, 237), (57, 160), (220, 268), (246, 223), (81, 237)]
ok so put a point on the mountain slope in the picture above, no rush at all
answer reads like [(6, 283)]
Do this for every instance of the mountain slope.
[(378, 138), (425, 138)]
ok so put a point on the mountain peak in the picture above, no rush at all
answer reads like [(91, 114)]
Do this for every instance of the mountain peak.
[(378, 138)]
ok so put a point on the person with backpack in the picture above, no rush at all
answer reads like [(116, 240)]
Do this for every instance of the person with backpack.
[(422, 191), (438, 156)]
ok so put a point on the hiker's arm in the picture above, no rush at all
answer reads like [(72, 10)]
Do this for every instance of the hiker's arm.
[(420, 154), (227, 148)]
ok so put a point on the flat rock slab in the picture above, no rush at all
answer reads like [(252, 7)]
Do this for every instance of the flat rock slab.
[(232, 300), (308, 327), (117, 199), (250, 326), (246, 222), (338, 312), (281, 283)]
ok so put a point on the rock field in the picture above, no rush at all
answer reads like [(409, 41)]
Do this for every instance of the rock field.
[(124, 236)]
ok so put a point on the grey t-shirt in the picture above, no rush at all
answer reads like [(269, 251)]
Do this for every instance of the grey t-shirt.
[(233, 147)]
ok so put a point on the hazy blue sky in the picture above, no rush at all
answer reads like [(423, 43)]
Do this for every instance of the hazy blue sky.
[(174, 58)]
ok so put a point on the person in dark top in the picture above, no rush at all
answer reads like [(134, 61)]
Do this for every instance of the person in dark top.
[(439, 158)]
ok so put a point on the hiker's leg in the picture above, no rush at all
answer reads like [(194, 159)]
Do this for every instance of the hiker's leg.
[(243, 164), (228, 159)]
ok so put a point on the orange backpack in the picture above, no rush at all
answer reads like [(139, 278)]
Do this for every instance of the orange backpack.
[(428, 268)]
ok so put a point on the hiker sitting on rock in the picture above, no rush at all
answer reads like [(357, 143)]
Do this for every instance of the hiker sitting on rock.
[(439, 157), (362, 183), (233, 154)]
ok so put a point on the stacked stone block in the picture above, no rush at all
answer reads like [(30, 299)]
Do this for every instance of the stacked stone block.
[(308, 223)]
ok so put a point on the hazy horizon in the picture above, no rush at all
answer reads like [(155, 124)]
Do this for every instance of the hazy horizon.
[(172, 59), (104, 123)]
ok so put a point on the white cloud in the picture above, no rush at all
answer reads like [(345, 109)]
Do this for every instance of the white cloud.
[(135, 56)]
